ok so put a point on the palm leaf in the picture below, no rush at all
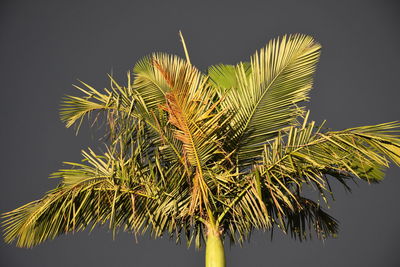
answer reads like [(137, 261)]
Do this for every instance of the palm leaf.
[(90, 194), (263, 96), (191, 110)]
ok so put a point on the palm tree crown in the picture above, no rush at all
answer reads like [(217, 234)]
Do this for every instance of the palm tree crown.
[(197, 155)]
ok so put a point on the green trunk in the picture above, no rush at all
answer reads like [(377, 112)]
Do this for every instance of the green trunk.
[(215, 255)]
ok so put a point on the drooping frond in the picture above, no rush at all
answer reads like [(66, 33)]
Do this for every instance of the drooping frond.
[(308, 154), (309, 218), (272, 194), (128, 107), (104, 190)]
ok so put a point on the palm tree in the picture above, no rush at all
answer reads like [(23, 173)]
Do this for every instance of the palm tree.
[(204, 157)]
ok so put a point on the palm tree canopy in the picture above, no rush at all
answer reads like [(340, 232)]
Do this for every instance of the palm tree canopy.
[(232, 148)]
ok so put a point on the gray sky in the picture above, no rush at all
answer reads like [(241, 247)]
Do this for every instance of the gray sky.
[(45, 46)]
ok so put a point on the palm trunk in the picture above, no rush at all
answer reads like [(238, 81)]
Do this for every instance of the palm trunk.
[(215, 255)]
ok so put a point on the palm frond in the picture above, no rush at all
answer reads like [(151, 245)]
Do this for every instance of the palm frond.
[(358, 152), (263, 96), (308, 220), (90, 194), (193, 113), (272, 194)]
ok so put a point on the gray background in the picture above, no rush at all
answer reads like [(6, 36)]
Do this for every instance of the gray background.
[(46, 45)]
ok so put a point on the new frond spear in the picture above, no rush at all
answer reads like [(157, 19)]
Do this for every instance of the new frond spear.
[(207, 156)]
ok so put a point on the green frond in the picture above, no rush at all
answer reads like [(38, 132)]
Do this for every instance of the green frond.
[(224, 76), (263, 95)]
